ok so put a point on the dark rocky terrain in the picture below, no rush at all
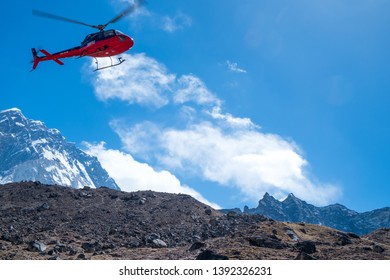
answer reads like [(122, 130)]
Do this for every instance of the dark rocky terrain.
[(52, 222), (337, 216)]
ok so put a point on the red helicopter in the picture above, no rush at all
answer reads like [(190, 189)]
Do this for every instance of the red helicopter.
[(105, 43)]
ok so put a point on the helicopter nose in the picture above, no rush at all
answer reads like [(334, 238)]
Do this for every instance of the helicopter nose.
[(126, 40), (131, 41)]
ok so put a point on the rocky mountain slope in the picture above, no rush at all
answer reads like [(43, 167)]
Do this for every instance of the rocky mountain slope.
[(337, 216), (51, 222), (31, 151)]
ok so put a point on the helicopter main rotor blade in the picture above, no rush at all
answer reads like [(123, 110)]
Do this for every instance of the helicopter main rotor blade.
[(130, 9), (52, 16)]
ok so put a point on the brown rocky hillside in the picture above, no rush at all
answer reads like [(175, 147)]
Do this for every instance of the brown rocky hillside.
[(53, 222)]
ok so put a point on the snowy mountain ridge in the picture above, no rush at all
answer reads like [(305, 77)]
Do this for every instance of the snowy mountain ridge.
[(30, 151)]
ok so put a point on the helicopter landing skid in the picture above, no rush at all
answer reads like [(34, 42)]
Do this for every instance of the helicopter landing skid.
[(120, 61)]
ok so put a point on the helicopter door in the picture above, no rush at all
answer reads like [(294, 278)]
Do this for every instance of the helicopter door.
[(90, 39)]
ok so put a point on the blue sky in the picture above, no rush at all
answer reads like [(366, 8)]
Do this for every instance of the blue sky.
[(224, 100)]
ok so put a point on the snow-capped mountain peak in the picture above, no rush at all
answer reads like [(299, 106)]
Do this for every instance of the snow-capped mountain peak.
[(31, 151)]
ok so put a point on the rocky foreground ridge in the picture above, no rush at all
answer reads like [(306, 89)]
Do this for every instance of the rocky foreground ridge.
[(52, 222)]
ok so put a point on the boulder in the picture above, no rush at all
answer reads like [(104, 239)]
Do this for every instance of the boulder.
[(210, 255), (37, 246), (197, 246), (81, 257), (43, 207), (292, 234), (266, 242), (343, 239), (60, 248), (142, 201), (378, 248), (91, 247), (308, 247), (3, 247), (304, 256), (158, 243)]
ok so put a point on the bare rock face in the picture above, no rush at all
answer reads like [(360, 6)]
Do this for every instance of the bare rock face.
[(40, 221), (307, 247)]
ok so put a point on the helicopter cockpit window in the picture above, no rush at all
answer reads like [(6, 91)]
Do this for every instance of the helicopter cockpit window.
[(109, 33), (122, 38)]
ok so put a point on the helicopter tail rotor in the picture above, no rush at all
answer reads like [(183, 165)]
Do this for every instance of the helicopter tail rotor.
[(35, 59)]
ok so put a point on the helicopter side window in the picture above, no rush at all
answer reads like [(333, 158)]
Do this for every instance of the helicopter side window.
[(89, 39)]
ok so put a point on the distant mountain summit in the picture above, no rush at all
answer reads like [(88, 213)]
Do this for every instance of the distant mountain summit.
[(337, 216), (29, 151)]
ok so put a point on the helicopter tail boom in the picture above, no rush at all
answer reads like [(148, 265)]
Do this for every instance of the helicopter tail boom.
[(50, 56)]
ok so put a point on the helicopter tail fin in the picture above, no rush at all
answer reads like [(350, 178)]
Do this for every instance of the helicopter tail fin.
[(35, 58)]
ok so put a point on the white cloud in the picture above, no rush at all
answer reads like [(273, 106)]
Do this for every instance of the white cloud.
[(138, 137), (138, 15), (137, 5), (231, 120), (213, 145), (178, 22), (132, 175), (140, 79), (143, 80), (192, 89), (170, 24), (246, 159), (233, 66)]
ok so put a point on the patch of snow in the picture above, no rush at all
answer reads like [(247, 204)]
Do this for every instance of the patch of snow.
[(39, 141), (54, 131), (11, 110), (37, 122), (85, 173), (48, 154)]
